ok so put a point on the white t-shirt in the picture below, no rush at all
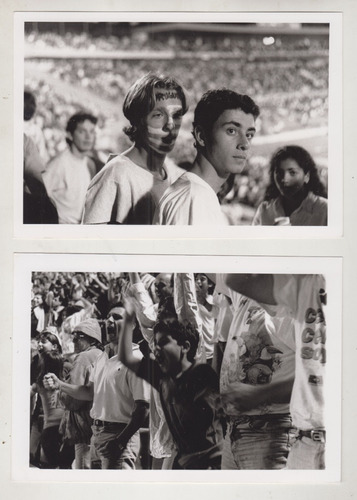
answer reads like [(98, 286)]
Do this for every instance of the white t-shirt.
[(124, 193), (115, 389), (66, 179), (254, 353), (189, 201), (300, 296)]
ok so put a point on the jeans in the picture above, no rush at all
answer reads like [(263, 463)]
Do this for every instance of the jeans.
[(306, 454), (257, 442), (106, 440), (82, 456)]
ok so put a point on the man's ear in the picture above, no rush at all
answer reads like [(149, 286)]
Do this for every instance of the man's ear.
[(186, 346), (199, 136), (69, 137)]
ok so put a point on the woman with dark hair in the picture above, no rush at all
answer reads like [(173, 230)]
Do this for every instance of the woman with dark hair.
[(295, 196), (128, 188), (51, 360)]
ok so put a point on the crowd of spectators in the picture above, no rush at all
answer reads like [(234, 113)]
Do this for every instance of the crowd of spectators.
[(140, 40)]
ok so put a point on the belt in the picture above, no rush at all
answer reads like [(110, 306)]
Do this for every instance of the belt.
[(314, 434), (103, 423)]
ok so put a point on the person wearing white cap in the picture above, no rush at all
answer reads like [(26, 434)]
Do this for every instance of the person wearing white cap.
[(76, 423), (120, 407)]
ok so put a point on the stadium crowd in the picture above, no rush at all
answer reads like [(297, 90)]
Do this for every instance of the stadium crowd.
[(218, 354), (139, 40)]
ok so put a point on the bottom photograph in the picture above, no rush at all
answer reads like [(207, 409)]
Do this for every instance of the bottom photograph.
[(175, 370)]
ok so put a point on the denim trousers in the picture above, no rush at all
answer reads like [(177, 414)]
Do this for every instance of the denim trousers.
[(306, 454), (106, 440), (82, 456), (257, 442)]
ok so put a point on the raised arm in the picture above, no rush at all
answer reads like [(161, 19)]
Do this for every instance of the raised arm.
[(258, 287), (125, 349)]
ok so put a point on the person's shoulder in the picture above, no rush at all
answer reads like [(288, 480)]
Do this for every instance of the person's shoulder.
[(193, 186), (203, 374), (178, 189), (174, 171), (319, 201), (59, 158), (118, 168)]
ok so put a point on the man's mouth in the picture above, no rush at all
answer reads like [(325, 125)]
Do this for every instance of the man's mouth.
[(169, 139)]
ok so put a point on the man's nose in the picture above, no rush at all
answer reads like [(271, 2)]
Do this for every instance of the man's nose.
[(243, 143), (170, 125)]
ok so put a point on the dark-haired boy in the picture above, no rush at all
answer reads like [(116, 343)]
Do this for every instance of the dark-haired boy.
[(223, 127), (68, 175), (188, 391)]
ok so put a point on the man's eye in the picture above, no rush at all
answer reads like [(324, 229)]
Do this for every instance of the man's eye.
[(231, 131), (250, 136)]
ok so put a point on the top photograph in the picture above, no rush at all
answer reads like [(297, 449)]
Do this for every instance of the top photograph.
[(231, 125)]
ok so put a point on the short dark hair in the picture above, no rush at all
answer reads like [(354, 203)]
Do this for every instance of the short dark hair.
[(304, 160), (180, 332), (77, 118), (140, 99), (29, 105), (214, 102)]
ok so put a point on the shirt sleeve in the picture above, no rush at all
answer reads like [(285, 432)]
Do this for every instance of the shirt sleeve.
[(139, 387), (146, 311)]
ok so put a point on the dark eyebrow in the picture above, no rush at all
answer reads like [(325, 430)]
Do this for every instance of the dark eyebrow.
[(237, 124)]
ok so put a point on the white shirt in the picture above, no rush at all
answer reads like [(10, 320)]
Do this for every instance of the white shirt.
[(254, 352), (300, 297), (115, 389), (66, 179), (189, 201)]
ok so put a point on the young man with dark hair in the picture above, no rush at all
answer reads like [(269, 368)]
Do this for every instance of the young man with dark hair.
[(223, 127), (68, 175), (188, 391)]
